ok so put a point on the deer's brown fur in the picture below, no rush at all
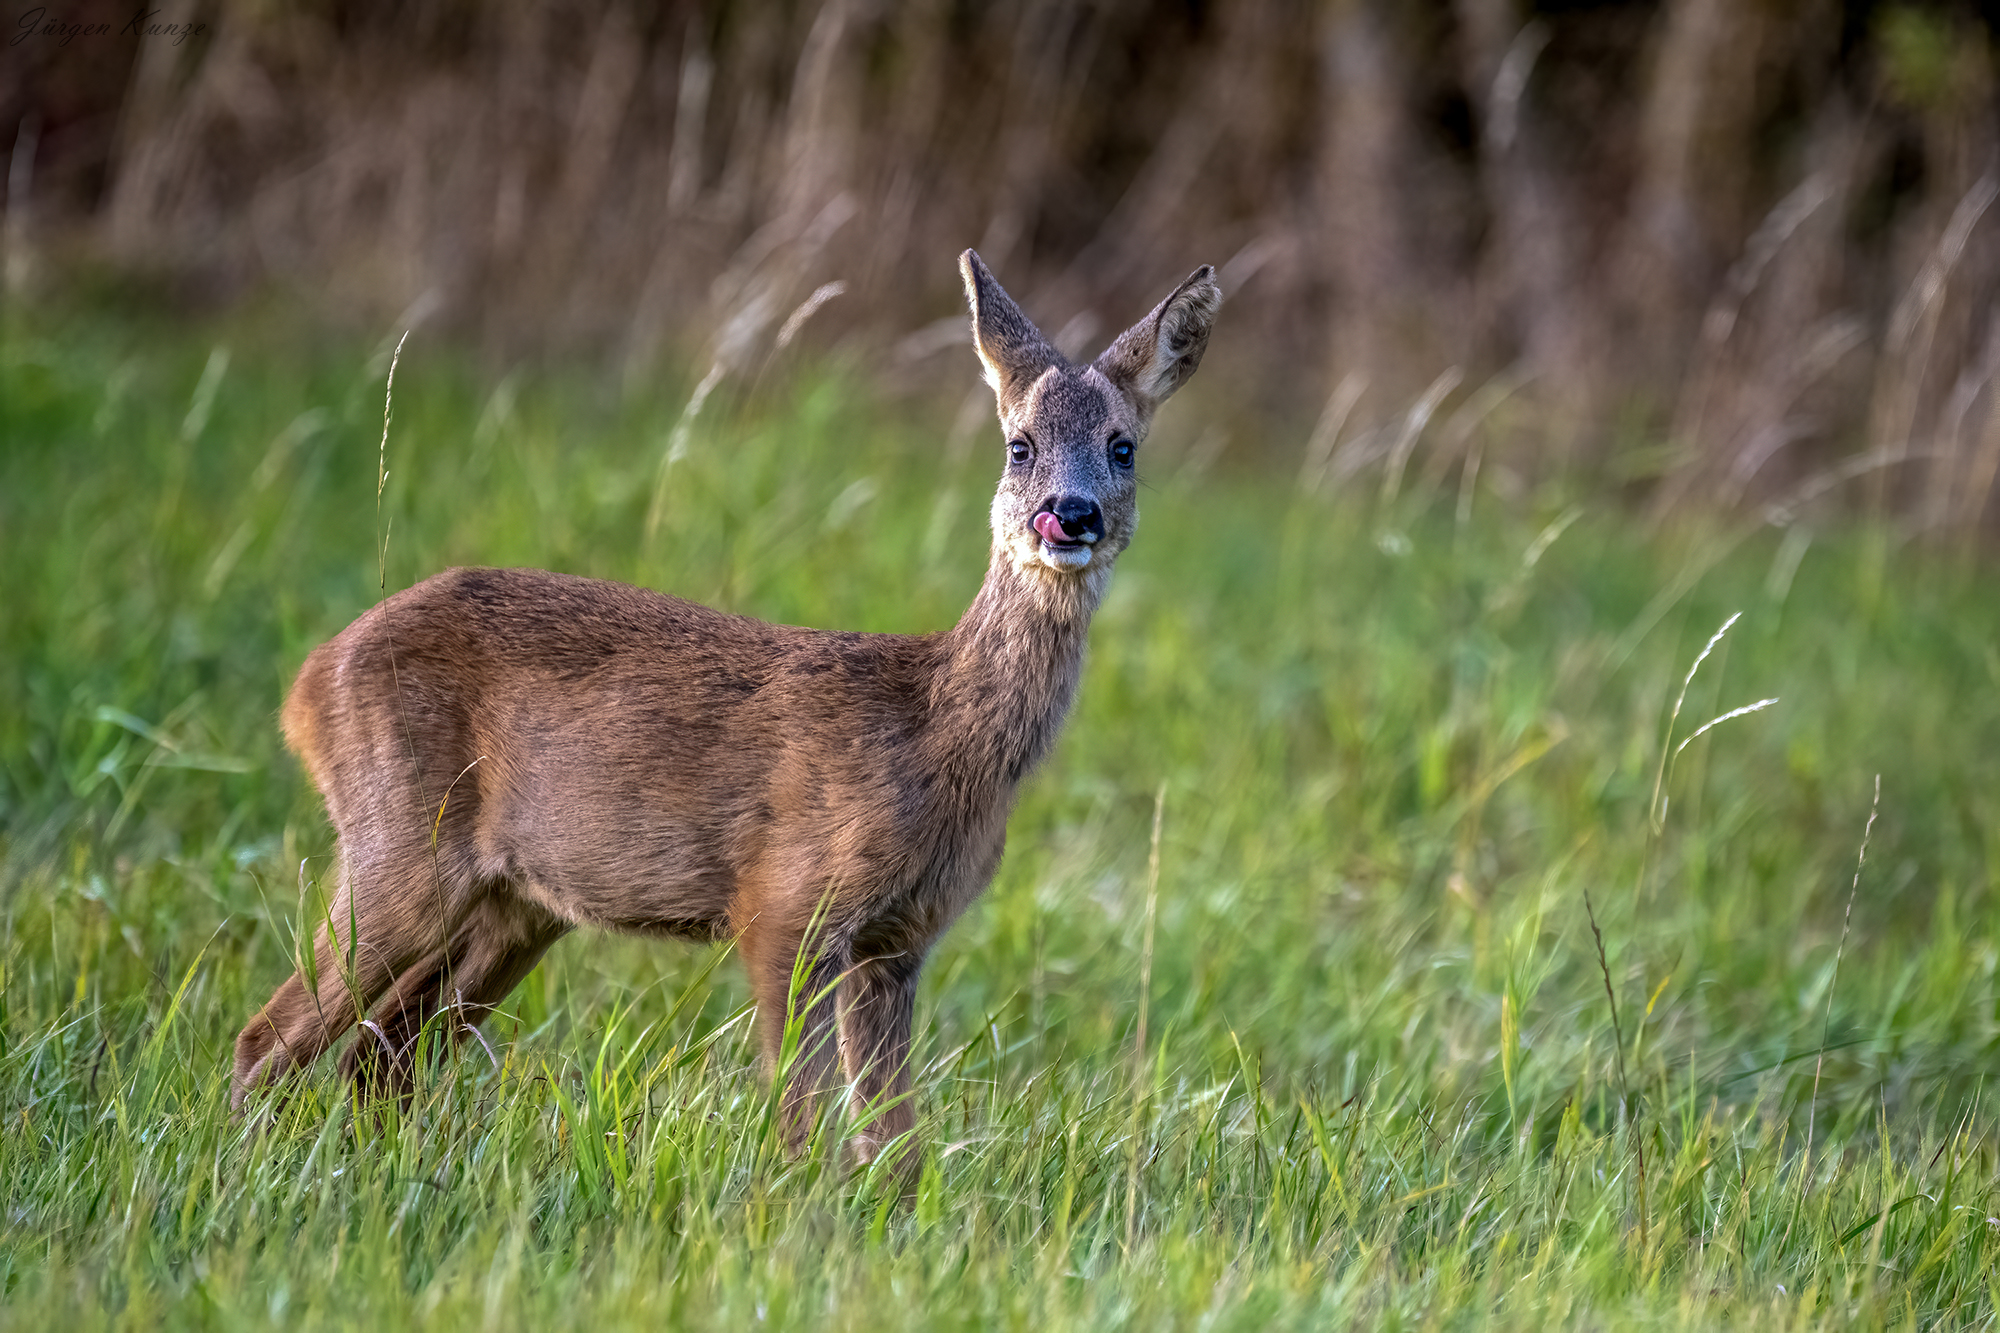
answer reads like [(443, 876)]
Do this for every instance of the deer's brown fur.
[(506, 754)]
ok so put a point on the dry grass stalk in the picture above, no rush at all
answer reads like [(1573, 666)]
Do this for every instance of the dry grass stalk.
[(382, 469), (1656, 812), (1826, 1026), (1629, 1112), (1740, 284), (1145, 1001), (1905, 365), (1326, 434), (1413, 428)]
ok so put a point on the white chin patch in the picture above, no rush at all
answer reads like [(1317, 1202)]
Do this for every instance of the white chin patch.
[(1069, 559)]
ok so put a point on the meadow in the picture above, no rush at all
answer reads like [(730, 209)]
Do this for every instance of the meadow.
[(1292, 1004)]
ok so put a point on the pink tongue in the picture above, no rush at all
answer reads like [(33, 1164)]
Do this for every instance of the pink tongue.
[(1050, 527)]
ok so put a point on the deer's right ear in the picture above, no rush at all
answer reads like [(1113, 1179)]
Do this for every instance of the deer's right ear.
[(1012, 349)]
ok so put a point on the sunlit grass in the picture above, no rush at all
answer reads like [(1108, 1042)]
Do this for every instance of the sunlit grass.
[(1380, 1083)]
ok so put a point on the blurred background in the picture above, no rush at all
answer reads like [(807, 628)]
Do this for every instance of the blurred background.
[(1714, 253), (1416, 748)]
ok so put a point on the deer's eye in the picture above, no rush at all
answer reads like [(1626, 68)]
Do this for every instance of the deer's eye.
[(1121, 453), (1020, 451)]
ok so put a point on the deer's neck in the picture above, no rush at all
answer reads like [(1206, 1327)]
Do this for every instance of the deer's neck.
[(1012, 665)]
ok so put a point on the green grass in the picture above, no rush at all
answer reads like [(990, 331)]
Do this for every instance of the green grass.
[(1381, 1084)]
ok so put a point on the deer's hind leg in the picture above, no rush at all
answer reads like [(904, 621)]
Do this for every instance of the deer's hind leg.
[(389, 909), (497, 943)]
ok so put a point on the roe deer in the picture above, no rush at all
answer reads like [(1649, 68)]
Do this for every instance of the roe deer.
[(509, 753)]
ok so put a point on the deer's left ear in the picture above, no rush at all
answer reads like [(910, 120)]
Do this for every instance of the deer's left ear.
[(1157, 355)]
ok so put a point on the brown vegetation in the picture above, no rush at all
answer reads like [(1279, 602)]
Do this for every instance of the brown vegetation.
[(1759, 230)]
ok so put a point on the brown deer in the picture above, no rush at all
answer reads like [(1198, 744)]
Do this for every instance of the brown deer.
[(507, 753)]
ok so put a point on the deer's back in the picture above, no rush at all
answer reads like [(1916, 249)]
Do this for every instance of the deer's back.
[(633, 758)]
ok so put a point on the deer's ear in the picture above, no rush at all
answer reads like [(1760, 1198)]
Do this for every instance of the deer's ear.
[(1155, 356), (1012, 349)]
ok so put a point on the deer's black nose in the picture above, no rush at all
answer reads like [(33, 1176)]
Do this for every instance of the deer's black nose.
[(1081, 519)]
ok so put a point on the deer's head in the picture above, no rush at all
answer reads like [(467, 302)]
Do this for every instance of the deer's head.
[(1068, 493)]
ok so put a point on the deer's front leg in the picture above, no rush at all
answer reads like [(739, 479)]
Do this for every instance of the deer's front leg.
[(877, 1000), (795, 978)]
